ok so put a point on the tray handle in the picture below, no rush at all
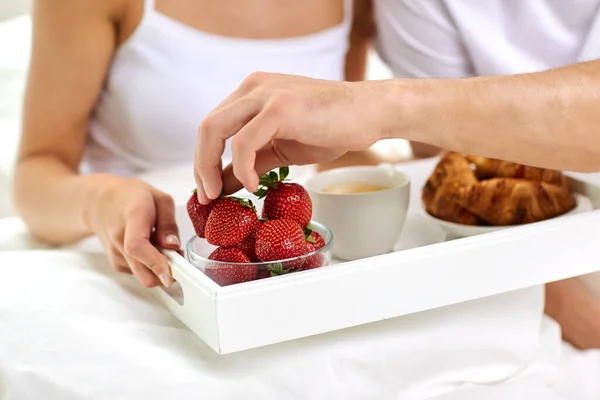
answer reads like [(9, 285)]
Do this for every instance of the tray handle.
[(199, 298)]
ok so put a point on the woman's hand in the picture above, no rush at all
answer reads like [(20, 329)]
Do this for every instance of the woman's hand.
[(278, 120), (130, 216)]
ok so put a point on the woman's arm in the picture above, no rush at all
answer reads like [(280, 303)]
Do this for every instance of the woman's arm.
[(73, 42), (547, 119), (361, 35)]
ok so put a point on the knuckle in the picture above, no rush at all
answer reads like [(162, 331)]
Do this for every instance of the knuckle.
[(116, 235), (279, 103), (206, 126), (238, 144), (133, 246), (166, 200), (255, 78)]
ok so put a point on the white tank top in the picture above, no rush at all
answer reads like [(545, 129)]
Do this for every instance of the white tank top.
[(167, 76)]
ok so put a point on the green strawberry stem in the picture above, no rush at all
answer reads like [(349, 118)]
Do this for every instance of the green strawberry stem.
[(247, 203), (260, 193), (283, 173), (307, 233), (277, 269), (270, 180)]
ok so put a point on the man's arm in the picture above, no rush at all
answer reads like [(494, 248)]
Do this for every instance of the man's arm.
[(361, 36), (548, 119), (574, 307)]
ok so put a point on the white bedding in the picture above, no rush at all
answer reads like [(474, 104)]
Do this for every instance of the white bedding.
[(73, 330)]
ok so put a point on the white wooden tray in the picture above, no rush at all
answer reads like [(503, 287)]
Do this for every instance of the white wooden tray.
[(278, 309)]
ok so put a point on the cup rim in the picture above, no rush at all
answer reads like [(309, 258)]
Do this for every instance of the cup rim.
[(406, 182), (206, 260)]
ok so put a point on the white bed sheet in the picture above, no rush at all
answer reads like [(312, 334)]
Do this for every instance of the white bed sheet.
[(71, 329)]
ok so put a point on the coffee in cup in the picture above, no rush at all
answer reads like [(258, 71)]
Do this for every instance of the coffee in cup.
[(365, 208)]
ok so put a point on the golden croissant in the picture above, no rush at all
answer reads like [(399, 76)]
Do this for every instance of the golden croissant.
[(473, 190), (511, 201), (440, 192), (489, 168)]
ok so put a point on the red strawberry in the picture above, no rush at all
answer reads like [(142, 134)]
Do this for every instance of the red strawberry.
[(230, 221), (314, 241), (263, 273), (284, 200), (230, 274), (198, 213), (248, 245), (281, 239)]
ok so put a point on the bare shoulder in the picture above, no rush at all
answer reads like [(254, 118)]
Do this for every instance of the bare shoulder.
[(69, 13), (73, 45)]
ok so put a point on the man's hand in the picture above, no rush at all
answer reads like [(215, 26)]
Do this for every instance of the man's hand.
[(279, 120)]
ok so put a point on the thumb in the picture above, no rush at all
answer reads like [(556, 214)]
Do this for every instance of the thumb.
[(167, 232)]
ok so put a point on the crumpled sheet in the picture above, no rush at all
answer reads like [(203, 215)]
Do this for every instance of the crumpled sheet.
[(70, 329)]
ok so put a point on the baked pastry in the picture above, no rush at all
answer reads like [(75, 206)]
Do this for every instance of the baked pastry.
[(511, 201), (473, 190), (489, 167), (441, 191)]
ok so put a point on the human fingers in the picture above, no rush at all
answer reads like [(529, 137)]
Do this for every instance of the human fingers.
[(117, 261), (214, 131), (266, 160), (202, 198), (112, 242), (143, 275), (137, 245), (249, 140), (167, 232)]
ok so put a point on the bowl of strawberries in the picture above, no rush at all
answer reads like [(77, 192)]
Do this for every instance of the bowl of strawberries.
[(234, 245)]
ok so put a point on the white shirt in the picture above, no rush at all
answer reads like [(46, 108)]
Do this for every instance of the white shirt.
[(461, 38)]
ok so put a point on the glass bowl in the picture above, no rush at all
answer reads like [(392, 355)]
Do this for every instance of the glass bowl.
[(228, 273)]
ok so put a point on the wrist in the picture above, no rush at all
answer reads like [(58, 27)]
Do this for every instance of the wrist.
[(395, 103), (95, 189), (418, 109)]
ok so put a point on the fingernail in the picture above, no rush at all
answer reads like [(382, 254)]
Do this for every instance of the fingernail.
[(165, 280), (207, 190), (172, 239), (201, 196)]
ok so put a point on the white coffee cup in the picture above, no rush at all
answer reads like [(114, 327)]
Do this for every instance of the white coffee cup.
[(364, 224)]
